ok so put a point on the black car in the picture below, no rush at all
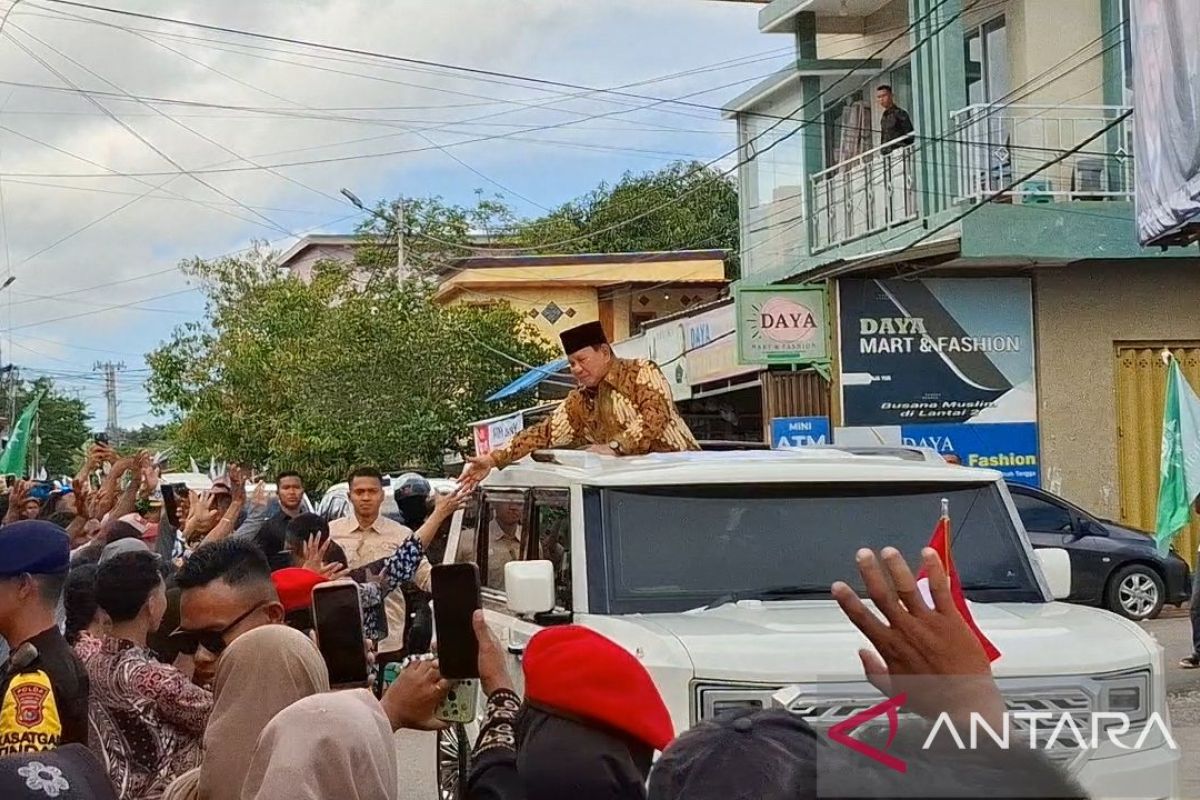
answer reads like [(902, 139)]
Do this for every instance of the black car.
[(1112, 566)]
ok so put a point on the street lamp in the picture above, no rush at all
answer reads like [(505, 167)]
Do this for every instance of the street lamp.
[(397, 220)]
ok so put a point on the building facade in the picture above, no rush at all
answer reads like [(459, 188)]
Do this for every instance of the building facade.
[(624, 291), (987, 294)]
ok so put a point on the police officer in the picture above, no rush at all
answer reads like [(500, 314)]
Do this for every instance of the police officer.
[(43, 687), (412, 498)]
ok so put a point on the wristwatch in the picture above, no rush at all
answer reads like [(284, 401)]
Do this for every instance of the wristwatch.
[(615, 446)]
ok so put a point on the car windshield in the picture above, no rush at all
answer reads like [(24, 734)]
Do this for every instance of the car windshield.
[(676, 548)]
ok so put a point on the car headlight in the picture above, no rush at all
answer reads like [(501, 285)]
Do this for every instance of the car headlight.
[(1127, 693), (712, 701)]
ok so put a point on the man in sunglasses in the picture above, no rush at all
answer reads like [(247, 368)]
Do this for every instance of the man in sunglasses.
[(225, 591)]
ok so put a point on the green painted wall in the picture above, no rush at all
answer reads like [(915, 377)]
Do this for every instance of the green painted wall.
[(1058, 232)]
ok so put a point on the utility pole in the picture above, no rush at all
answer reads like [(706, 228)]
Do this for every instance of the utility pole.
[(400, 272), (396, 220), (110, 371)]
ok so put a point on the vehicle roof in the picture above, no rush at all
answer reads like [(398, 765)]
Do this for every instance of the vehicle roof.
[(563, 468)]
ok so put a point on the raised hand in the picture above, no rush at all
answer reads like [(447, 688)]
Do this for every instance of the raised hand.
[(412, 701), (930, 654)]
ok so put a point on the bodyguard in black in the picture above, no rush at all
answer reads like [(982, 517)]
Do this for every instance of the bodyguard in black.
[(43, 690)]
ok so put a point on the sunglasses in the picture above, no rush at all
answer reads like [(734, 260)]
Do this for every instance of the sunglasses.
[(214, 642)]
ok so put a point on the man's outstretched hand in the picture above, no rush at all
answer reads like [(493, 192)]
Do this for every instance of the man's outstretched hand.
[(475, 469), (930, 654)]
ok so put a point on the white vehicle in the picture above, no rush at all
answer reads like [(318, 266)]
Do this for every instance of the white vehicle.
[(714, 569)]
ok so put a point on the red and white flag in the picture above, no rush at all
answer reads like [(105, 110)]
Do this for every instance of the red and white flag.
[(941, 543)]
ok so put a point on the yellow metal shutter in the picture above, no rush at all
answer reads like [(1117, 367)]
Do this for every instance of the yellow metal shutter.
[(1141, 382)]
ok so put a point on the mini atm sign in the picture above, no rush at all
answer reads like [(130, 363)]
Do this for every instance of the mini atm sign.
[(789, 433)]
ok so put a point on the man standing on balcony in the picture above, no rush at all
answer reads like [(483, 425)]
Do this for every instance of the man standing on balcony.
[(895, 125)]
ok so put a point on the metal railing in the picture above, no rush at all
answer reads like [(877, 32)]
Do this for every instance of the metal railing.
[(863, 195), (997, 144)]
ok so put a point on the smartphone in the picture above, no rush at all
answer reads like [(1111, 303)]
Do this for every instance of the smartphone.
[(100, 438), (455, 601), (460, 703), (337, 620), (170, 509)]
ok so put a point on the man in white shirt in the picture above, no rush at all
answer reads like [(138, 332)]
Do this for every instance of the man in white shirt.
[(367, 537), (504, 541)]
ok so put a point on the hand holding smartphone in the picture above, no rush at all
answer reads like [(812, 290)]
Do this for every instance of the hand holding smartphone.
[(455, 601), (337, 620)]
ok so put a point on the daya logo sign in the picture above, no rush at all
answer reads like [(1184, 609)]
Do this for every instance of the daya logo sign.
[(781, 325)]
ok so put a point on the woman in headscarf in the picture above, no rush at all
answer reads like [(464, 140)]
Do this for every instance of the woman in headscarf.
[(334, 745), (70, 772), (262, 673), (589, 726)]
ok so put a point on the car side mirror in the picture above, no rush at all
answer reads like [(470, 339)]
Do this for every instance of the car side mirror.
[(1056, 567), (529, 587)]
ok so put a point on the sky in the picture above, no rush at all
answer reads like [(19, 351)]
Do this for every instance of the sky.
[(128, 145)]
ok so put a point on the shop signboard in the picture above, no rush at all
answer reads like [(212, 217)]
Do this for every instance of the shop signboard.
[(664, 344), (946, 363), (781, 325), (788, 433), (492, 434), (711, 348)]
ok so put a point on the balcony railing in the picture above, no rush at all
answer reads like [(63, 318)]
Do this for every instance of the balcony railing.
[(997, 144), (862, 196)]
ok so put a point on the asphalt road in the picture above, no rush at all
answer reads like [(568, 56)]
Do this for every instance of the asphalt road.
[(415, 751)]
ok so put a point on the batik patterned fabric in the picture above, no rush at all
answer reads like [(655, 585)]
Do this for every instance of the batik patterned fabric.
[(632, 406), (146, 718)]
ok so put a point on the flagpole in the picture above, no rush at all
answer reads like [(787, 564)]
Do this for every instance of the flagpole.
[(946, 520)]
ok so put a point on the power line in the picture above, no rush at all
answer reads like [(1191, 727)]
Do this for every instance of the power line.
[(483, 73), (128, 127)]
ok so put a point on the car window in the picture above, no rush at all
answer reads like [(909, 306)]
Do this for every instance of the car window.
[(1040, 515), (505, 528), (673, 548), (552, 540)]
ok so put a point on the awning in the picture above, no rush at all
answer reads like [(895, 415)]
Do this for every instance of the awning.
[(529, 380)]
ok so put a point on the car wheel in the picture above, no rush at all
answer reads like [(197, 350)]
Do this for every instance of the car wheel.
[(453, 762), (1136, 592)]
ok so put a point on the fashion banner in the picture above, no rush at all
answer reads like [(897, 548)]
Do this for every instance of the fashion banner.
[(936, 351), (1010, 448)]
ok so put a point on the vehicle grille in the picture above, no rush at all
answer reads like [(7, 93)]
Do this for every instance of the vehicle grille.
[(1068, 752)]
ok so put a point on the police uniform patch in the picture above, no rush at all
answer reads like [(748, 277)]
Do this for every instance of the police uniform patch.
[(29, 717), (31, 701)]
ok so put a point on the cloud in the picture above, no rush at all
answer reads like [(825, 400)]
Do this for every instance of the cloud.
[(325, 106)]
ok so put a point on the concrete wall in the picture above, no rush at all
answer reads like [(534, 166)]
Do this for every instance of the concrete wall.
[(528, 300), (302, 266), (1080, 311)]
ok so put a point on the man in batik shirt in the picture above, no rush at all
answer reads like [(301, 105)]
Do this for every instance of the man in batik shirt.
[(622, 407)]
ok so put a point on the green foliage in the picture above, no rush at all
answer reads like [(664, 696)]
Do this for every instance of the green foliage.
[(684, 206), (62, 426), (355, 367)]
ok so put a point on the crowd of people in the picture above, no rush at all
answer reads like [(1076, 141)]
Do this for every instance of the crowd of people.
[(160, 645), (196, 676)]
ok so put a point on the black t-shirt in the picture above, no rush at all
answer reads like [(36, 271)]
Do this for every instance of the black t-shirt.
[(45, 704)]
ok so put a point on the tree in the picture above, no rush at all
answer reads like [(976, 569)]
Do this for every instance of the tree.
[(354, 367), (683, 206), (62, 427)]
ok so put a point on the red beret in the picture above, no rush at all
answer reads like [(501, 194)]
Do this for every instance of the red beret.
[(581, 673), (294, 585)]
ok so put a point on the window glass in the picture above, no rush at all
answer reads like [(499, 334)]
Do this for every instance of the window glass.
[(677, 548), (504, 531), (1039, 515), (553, 519)]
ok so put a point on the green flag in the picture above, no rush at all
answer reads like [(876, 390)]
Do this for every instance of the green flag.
[(12, 462), (1179, 470)]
